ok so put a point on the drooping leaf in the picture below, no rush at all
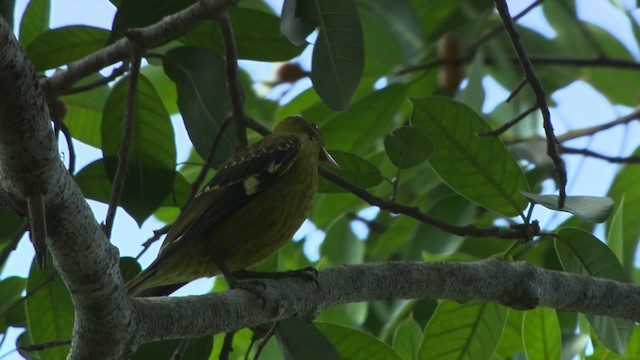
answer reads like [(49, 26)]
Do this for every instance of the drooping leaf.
[(198, 349), (407, 146), (588, 208), (203, 98), (479, 168), (353, 168), (298, 20), (407, 339), (355, 344), (341, 246), (615, 235), (299, 340), (35, 20), (257, 36), (84, 112), (460, 331), (338, 54), (152, 153), (49, 311), (541, 334), (581, 252)]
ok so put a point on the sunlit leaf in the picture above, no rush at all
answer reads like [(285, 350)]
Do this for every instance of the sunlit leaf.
[(479, 168), (541, 334), (356, 345), (35, 20)]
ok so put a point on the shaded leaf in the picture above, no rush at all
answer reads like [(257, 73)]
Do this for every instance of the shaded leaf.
[(63, 45), (407, 339), (198, 349), (581, 252), (257, 36), (588, 208), (458, 331), (152, 153), (353, 168), (479, 168), (35, 20), (341, 246), (301, 340), (298, 20), (338, 54), (84, 112), (407, 146), (140, 13), (203, 98)]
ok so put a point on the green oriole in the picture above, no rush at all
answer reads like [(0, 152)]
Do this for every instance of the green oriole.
[(254, 204)]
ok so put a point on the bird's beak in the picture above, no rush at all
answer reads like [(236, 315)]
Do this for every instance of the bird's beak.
[(326, 157)]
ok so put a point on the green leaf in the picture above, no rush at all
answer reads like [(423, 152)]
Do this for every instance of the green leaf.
[(63, 45), (625, 186), (463, 331), (615, 235), (84, 113), (10, 223), (581, 252), (338, 54), (49, 311), (203, 98), (301, 340), (298, 20), (479, 168), (358, 128), (541, 334), (11, 289), (407, 339), (152, 152), (353, 168), (165, 87), (354, 344), (140, 13), (257, 36), (35, 20), (407, 146), (588, 208)]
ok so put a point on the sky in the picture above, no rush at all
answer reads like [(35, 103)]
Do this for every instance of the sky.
[(578, 105)]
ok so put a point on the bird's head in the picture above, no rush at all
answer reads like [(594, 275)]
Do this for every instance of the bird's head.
[(300, 125)]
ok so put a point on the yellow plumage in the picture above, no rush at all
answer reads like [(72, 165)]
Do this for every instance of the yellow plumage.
[(250, 208)]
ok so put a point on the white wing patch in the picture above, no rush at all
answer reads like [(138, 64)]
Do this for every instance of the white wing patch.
[(251, 185)]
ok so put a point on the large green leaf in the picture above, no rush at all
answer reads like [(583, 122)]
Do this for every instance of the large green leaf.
[(257, 36), (198, 349), (152, 152), (581, 252), (367, 120), (407, 146), (11, 289), (354, 344), (338, 54), (63, 45), (541, 334), (463, 331), (203, 98), (49, 311), (407, 339), (341, 245), (625, 185), (298, 20), (479, 168), (84, 113), (588, 208), (353, 168), (35, 20)]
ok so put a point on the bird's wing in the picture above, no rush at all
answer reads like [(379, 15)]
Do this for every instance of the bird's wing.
[(237, 181)]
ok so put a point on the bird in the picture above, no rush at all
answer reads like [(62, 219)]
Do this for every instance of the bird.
[(252, 206)]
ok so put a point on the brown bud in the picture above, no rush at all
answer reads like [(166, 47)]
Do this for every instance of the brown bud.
[(451, 72)]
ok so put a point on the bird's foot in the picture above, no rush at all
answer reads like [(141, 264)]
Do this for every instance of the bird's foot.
[(309, 274), (254, 287)]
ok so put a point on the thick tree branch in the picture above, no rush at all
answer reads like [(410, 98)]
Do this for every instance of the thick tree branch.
[(519, 285), (148, 37)]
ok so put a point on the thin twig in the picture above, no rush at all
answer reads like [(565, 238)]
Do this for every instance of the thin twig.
[(574, 134), (125, 144), (593, 154), (117, 72), (195, 186), (506, 126), (45, 345), (233, 83), (541, 98), (265, 339), (227, 346), (157, 234), (515, 92)]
